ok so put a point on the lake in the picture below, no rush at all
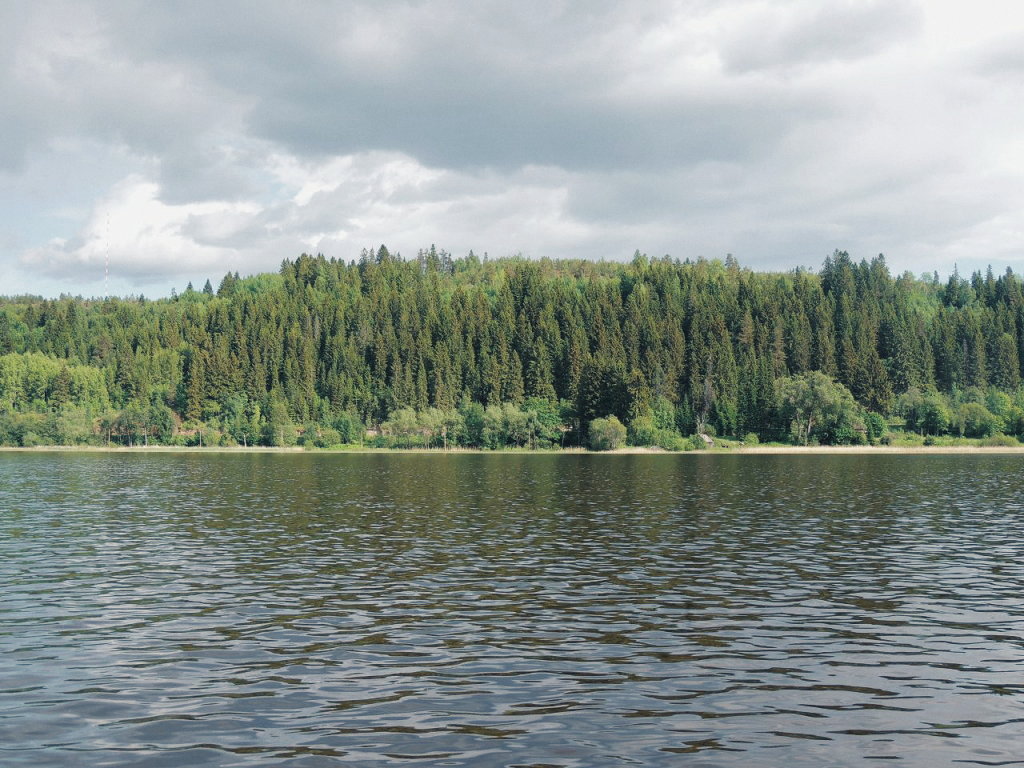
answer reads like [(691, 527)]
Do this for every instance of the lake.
[(257, 609)]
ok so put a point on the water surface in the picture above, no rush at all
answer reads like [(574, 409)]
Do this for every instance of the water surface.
[(510, 610)]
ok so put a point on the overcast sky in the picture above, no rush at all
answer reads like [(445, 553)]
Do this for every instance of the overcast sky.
[(188, 139)]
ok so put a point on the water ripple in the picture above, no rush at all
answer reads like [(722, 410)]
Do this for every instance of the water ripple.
[(318, 610)]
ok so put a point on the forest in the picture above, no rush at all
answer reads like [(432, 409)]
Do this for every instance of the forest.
[(436, 351)]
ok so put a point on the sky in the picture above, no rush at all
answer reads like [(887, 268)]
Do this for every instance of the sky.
[(179, 141)]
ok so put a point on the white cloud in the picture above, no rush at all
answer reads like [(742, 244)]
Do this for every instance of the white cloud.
[(336, 207), (143, 238), (771, 36)]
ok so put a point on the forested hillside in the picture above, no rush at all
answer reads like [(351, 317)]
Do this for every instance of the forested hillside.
[(441, 351)]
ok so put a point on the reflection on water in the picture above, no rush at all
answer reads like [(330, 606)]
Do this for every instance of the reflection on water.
[(320, 610)]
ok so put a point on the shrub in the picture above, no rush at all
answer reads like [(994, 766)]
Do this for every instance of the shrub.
[(349, 428), (607, 434), (751, 438), (309, 435), (328, 436), (875, 425), (975, 420), (695, 443), (670, 440), (642, 431), (999, 440)]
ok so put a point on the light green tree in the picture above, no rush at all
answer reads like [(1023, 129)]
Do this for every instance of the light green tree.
[(402, 424), (814, 404), (975, 420), (607, 434)]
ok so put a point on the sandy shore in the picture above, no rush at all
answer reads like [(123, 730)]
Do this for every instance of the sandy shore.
[(752, 450), (761, 450), (860, 449)]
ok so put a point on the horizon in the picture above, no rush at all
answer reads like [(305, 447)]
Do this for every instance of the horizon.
[(197, 284)]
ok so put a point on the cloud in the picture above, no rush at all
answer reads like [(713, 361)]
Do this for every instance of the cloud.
[(66, 76), (1002, 59), (143, 238), (486, 85), (336, 208), (232, 135), (797, 35)]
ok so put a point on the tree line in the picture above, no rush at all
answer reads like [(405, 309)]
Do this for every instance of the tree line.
[(441, 351)]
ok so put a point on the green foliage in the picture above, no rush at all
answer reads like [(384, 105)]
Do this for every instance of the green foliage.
[(670, 440), (473, 424), (816, 406), (607, 434), (926, 413), (643, 430), (349, 428), (72, 426), (695, 443), (402, 425), (847, 431), (975, 420), (999, 440), (279, 429), (667, 347), (551, 420), (32, 440), (327, 437), (876, 427), (508, 425)]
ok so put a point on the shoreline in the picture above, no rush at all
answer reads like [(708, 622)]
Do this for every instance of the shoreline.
[(747, 450)]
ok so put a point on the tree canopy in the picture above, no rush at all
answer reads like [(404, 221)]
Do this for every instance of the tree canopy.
[(516, 352)]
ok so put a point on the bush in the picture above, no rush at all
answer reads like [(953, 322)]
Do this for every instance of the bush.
[(670, 440), (349, 428), (849, 433), (999, 440), (904, 438), (607, 434), (308, 436), (751, 438), (642, 431), (32, 440), (328, 436), (975, 420), (875, 425), (209, 437), (695, 443)]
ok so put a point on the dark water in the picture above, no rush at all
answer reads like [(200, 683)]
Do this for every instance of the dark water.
[(317, 610)]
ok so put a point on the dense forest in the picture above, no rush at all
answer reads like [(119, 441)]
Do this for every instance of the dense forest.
[(436, 351)]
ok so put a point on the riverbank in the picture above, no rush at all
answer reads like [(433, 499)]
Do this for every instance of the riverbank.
[(861, 449), (629, 450)]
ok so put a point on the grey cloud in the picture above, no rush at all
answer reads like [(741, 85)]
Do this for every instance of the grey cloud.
[(66, 73), (200, 171), (507, 129), (798, 35), (557, 128), (1003, 59), (456, 86)]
